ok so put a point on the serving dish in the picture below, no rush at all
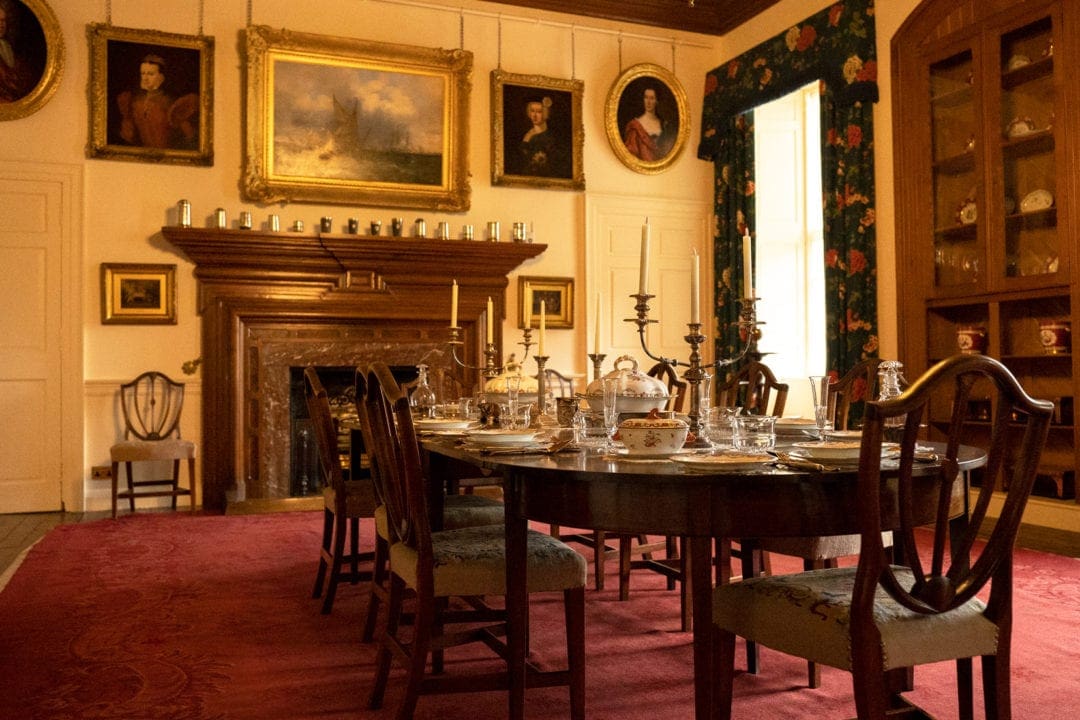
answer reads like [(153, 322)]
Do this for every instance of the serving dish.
[(637, 392), (1017, 61), (1020, 127), (652, 435), (967, 213), (1037, 200)]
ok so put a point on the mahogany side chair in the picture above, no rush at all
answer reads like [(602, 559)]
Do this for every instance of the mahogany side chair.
[(879, 619)]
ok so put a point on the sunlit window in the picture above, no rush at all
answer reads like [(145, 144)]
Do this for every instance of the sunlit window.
[(789, 250)]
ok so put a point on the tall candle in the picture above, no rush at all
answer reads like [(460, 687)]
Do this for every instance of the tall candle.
[(528, 304), (596, 339), (490, 322), (543, 328), (695, 287), (643, 280), (747, 267), (453, 304)]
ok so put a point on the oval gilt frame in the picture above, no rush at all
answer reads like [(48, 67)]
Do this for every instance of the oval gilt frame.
[(625, 103), (46, 85)]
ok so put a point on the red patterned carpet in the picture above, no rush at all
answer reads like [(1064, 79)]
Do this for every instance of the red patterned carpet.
[(210, 618)]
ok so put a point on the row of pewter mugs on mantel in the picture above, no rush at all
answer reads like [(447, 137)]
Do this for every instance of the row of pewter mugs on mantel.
[(521, 230)]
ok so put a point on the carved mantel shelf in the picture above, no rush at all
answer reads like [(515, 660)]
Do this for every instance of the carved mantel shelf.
[(288, 280)]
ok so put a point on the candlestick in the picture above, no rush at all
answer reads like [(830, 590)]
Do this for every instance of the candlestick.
[(453, 304), (543, 327), (643, 266), (541, 383), (597, 364), (695, 288), (596, 339), (490, 337), (747, 267)]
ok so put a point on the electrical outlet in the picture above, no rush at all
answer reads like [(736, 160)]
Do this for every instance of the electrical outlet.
[(100, 472)]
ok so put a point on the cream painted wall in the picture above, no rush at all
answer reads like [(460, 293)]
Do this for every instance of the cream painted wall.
[(125, 203)]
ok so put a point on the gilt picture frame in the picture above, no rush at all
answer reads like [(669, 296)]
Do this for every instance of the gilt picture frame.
[(151, 96), (138, 294), (537, 132), (33, 68), (647, 118), (344, 120), (558, 296)]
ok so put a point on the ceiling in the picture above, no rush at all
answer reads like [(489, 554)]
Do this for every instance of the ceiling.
[(709, 17)]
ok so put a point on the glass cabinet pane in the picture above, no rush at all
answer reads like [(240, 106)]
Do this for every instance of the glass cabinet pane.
[(957, 254), (1028, 165)]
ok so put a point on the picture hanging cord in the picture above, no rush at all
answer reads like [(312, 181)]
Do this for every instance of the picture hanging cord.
[(461, 29), (673, 56), (498, 57), (202, 13), (573, 52), (620, 53), (202, 16), (249, 3), (108, 12)]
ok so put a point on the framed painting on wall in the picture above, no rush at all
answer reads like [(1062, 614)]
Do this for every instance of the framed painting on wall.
[(138, 294), (343, 120), (31, 57), (151, 96), (556, 293), (537, 133), (646, 118)]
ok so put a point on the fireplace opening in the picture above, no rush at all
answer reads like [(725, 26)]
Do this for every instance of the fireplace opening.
[(339, 382)]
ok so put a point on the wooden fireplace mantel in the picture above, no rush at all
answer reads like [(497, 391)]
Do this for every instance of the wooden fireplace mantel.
[(295, 280)]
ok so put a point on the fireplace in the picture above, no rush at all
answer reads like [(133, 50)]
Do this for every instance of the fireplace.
[(271, 302)]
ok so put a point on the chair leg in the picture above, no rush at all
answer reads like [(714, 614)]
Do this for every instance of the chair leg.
[(354, 548), (574, 608), (191, 480), (965, 688), (422, 626), (378, 585), (115, 480), (328, 534), (599, 558), (624, 567), (175, 481), (997, 693), (337, 555), (384, 656), (131, 487)]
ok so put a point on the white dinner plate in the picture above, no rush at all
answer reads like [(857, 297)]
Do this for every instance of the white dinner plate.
[(625, 453), (843, 434), (435, 424), (492, 438), (830, 449), (723, 461), (799, 423)]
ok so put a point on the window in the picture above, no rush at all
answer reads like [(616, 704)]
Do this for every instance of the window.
[(790, 247)]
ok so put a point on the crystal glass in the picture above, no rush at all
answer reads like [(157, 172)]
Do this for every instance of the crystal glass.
[(819, 390), (513, 390), (720, 429), (611, 414), (755, 433)]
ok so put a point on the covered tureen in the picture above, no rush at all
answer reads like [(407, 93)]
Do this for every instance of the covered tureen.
[(637, 392)]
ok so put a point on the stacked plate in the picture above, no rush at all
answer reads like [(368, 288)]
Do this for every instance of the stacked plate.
[(502, 438), (795, 428), (426, 425), (723, 461)]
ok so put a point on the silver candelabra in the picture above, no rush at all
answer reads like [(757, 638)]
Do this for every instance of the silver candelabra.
[(695, 370)]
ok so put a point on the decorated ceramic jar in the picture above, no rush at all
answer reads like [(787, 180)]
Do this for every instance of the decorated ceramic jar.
[(1055, 336), (637, 393), (495, 388), (652, 435), (971, 339)]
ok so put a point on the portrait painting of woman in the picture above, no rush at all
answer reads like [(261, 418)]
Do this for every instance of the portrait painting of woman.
[(647, 120)]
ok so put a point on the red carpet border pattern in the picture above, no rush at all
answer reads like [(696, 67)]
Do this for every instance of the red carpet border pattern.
[(211, 618)]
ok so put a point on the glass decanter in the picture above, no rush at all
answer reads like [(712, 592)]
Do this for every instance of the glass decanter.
[(423, 398)]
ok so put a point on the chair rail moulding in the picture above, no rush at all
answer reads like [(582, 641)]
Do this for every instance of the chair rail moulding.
[(396, 288)]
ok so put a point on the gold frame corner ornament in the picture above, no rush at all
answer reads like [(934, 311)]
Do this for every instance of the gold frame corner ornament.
[(574, 128), (265, 46), (633, 77), (46, 85), (99, 144)]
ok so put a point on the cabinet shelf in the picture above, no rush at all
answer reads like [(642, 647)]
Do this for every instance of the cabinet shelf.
[(1034, 143), (1040, 68), (956, 164)]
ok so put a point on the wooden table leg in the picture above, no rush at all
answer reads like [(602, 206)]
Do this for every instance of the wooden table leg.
[(700, 557), (517, 600)]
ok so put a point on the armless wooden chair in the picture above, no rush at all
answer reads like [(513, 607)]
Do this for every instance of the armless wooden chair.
[(846, 401), (151, 406), (558, 385), (458, 510), (755, 389), (879, 619), (676, 387), (465, 562), (344, 502)]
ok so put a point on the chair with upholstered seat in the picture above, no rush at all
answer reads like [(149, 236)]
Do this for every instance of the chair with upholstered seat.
[(151, 405), (439, 565), (458, 510), (345, 502), (879, 619), (846, 400)]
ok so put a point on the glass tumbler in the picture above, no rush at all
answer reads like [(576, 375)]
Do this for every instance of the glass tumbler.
[(755, 433)]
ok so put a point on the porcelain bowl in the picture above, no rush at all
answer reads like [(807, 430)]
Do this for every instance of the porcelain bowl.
[(652, 435)]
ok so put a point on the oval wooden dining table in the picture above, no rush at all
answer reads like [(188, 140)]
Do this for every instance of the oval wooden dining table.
[(591, 490)]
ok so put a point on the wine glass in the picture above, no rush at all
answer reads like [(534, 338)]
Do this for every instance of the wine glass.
[(513, 388), (611, 414), (819, 390)]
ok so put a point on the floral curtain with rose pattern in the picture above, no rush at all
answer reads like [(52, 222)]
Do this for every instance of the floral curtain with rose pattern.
[(836, 47)]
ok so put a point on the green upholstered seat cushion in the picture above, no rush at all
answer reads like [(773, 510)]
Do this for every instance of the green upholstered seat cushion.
[(808, 615)]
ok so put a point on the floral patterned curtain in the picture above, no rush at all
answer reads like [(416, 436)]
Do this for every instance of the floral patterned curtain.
[(837, 47)]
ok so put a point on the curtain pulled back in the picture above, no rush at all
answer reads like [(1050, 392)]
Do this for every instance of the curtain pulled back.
[(835, 46)]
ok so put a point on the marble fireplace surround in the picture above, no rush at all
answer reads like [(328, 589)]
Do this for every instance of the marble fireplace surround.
[(271, 301)]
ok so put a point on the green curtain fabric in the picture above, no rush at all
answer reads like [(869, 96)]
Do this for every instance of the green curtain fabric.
[(734, 212), (837, 47)]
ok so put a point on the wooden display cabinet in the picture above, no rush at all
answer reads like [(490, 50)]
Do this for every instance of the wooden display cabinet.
[(986, 175)]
